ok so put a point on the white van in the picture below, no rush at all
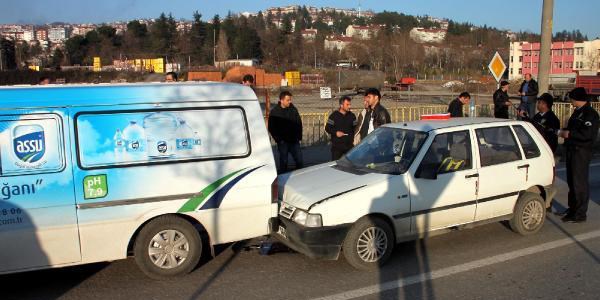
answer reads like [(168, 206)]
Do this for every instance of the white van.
[(96, 173)]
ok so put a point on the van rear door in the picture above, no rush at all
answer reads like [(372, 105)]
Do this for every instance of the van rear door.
[(38, 223)]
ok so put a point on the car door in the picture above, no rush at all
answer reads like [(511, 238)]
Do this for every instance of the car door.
[(38, 222), (502, 171), (447, 198)]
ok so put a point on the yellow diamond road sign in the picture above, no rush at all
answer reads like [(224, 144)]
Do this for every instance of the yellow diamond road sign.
[(497, 66)]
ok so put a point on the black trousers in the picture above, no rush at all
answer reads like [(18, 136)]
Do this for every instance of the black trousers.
[(286, 148), (578, 170), (337, 153), (502, 114)]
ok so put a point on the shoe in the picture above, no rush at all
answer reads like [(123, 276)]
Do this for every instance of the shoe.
[(562, 213), (572, 219)]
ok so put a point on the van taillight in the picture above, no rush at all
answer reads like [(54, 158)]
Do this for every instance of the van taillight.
[(274, 191)]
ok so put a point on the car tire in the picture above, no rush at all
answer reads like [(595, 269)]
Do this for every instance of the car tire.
[(359, 247), (167, 246), (529, 214)]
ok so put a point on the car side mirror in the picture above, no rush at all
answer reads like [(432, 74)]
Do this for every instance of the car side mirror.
[(426, 172)]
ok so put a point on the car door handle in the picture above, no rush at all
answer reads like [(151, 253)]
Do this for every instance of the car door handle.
[(523, 166), (476, 175)]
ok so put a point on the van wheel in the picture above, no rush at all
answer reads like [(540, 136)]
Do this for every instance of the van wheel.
[(529, 214), (167, 246), (369, 244)]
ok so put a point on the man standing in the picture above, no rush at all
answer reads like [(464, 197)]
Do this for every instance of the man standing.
[(360, 121), (455, 108), (501, 102), (545, 121), (528, 92), (285, 126), (580, 135), (340, 126), (376, 115)]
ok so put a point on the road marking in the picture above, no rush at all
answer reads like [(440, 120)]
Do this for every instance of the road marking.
[(391, 285), (564, 168)]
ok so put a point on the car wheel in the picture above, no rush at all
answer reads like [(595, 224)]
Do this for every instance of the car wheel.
[(369, 243), (529, 214), (168, 246)]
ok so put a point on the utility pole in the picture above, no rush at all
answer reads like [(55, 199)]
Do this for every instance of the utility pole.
[(546, 45), (1, 60), (214, 47)]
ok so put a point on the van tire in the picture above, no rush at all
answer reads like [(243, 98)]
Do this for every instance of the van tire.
[(529, 215), (170, 229), (364, 228)]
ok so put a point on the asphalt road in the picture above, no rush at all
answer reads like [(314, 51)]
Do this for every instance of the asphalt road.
[(562, 261)]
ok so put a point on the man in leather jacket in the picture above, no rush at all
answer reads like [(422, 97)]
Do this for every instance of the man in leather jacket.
[(376, 115)]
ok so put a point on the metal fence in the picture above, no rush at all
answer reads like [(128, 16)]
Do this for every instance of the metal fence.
[(314, 123)]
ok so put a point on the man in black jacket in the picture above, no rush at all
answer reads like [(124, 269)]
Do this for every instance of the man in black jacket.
[(285, 126), (340, 126), (501, 101), (545, 121), (376, 115), (528, 91), (580, 135), (455, 108)]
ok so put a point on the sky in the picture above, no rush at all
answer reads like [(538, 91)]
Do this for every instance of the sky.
[(515, 15)]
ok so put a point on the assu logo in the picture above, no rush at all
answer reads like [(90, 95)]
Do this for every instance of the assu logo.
[(161, 147), (29, 143)]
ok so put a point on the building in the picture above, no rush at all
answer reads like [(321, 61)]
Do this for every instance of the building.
[(362, 32), (58, 34), (83, 29), (237, 62), (309, 34), (41, 34), (337, 43), (567, 57), (422, 35)]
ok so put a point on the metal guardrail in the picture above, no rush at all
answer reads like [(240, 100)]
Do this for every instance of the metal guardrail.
[(314, 123)]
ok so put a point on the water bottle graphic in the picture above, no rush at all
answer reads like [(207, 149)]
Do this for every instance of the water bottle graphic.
[(160, 130), (185, 138), (197, 142), (135, 140), (119, 141)]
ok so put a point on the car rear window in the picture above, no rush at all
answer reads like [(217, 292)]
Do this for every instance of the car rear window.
[(528, 144)]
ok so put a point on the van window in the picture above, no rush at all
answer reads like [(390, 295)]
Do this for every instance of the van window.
[(529, 146), (160, 136), (497, 145), (31, 144), (449, 152)]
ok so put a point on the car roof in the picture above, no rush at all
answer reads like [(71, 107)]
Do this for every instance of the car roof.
[(112, 94), (429, 125)]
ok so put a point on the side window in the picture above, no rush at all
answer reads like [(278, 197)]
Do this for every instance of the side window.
[(497, 145), (449, 152), (529, 146), (31, 144), (157, 136)]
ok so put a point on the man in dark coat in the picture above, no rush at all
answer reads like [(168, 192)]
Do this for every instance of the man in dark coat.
[(285, 126), (545, 121), (528, 91), (501, 101), (376, 115), (455, 108), (340, 126), (580, 135)]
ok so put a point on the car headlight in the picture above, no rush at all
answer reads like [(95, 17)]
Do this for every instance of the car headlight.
[(305, 219)]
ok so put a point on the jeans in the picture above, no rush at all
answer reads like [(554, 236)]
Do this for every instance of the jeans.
[(528, 107), (292, 148)]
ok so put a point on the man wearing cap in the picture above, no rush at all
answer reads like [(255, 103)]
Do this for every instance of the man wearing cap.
[(545, 121), (501, 102), (376, 115), (580, 134)]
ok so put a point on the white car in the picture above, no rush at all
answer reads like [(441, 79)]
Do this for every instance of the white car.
[(409, 180)]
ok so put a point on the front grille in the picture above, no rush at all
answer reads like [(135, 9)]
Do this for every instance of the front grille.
[(286, 210)]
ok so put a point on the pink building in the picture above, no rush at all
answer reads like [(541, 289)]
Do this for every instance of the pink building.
[(563, 57)]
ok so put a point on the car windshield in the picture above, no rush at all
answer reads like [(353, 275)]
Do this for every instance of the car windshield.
[(385, 150)]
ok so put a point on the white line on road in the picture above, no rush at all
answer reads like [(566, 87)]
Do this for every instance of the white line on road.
[(391, 285), (564, 168)]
